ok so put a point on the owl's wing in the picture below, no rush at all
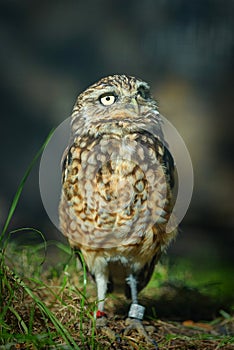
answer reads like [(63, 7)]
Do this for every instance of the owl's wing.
[(169, 166), (63, 162), (161, 149)]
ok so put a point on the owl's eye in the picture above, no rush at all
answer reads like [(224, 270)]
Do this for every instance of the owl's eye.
[(143, 92), (107, 99)]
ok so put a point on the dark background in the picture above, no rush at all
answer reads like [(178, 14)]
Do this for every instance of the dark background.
[(52, 50)]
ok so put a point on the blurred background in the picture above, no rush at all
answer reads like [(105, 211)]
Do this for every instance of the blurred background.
[(52, 50)]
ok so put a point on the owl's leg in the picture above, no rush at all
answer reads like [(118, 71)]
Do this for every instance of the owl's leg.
[(136, 314), (101, 282), (101, 319), (136, 310)]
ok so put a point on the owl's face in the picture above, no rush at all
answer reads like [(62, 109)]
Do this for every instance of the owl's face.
[(113, 94)]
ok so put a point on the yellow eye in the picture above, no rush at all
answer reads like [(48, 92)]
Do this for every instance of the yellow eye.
[(107, 99)]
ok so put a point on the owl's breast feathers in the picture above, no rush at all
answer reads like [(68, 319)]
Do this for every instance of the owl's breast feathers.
[(117, 191)]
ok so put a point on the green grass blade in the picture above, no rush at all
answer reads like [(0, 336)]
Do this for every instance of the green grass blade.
[(21, 185), (29, 229), (45, 310), (19, 318)]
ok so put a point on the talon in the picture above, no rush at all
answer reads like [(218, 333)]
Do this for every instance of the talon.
[(101, 326), (109, 333), (136, 324), (101, 322)]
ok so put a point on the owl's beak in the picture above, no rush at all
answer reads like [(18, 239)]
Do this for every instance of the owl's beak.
[(132, 104)]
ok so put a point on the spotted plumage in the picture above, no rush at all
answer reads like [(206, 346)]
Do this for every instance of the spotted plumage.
[(117, 184)]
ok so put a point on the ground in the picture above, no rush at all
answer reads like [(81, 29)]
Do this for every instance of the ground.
[(51, 305)]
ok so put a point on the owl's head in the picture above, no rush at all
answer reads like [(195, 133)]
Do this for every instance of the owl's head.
[(115, 95)]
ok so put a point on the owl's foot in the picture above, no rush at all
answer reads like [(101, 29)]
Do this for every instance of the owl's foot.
[(101, 326), (136, 324), (101, 322)]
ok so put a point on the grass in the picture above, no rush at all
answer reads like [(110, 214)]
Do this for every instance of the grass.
[(47, 303), (53, 307)]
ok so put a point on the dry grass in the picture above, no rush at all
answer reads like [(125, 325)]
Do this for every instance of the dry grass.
[(52, 308)]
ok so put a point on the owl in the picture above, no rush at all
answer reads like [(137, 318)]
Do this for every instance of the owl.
[(117, 188)]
